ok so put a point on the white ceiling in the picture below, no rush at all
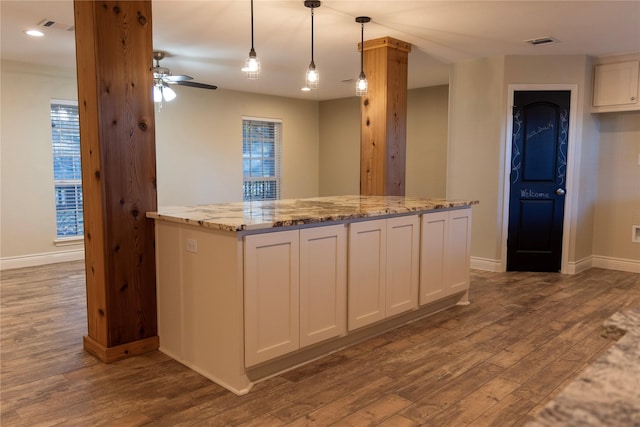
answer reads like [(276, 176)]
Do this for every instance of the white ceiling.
[(210, 40)]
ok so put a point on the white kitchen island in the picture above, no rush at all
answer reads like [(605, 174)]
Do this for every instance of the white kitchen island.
[(247, 290)]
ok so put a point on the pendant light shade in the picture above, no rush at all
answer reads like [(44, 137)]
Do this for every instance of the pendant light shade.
[(312, 75), (362, 86), (252, 66)]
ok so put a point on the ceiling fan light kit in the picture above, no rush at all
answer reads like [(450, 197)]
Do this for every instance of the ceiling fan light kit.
[(252, 66), (362, 86), (163, 92), (162, 78), (312, 75)]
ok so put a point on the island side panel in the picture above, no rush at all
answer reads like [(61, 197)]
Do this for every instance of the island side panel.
[(169, 285), (209, 302)]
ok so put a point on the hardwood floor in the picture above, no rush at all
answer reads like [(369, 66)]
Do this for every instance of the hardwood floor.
[(494, 362)]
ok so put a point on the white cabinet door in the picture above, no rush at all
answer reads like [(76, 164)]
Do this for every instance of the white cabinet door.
[(323, 283), (459, 250), (616, 84), (403, 238), (433, 267), (366, 272), (445, 254), (272, 301)]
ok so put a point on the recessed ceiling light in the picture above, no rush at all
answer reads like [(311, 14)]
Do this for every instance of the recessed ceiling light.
[(305, 89), (34, 33)]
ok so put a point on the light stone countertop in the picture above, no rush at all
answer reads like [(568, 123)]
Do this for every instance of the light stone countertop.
[(607, 393), (291, 212)]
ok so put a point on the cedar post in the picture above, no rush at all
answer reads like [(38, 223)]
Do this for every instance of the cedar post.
[(383, 133), (114, 58)]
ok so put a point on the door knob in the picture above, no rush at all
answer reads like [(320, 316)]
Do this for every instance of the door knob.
[(560, 192)]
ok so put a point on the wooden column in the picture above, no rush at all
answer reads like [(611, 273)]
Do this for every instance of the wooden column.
[(114, 61), (383, 132)]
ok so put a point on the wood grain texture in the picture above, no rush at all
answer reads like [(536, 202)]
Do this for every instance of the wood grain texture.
[(494, 362), (114, 61), (384, 118)]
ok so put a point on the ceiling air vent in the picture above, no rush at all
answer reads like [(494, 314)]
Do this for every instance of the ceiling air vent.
[(50, 23), (541, 40)]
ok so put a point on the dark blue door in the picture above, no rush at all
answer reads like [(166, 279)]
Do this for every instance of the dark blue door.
[(538, 180)]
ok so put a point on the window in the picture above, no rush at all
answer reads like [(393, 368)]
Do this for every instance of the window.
[(67, 177), (261, 159)]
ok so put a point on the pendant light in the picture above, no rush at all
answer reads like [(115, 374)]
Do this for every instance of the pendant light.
[(362, 85), (312, 74), (252, 66)]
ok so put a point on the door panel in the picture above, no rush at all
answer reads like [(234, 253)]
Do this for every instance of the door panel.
[(272, 301), (366, 272), (538, 213), (323, 283), (433, 256), (403, 238), (538, 185), (539, 143), (458, 254)]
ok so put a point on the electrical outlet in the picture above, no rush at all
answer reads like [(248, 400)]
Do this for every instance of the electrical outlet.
[(191, 245), (635, 233)]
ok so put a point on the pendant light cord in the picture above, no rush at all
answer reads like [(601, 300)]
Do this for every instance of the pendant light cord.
[(252, 25), (312, 63), (362, 48)]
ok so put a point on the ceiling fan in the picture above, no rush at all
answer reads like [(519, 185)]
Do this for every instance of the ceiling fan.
[(162, 78)]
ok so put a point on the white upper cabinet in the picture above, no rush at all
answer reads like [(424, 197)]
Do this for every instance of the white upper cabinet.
[(615, 87)]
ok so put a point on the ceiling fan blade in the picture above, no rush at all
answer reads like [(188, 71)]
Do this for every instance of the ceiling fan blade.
[(198, 85), (171, 79)]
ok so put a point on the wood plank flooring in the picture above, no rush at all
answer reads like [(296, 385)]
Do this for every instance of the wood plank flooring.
[(494, 362)]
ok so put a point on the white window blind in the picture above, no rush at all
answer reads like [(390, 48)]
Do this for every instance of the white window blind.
[(67, 177), (261, 147)]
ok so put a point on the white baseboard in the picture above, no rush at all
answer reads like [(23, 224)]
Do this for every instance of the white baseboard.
[(575, 267), (477, 263), (487, 264), (630, 265), (608, 263), (9, 263)]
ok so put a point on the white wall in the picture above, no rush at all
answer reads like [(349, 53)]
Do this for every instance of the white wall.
[(477, 113), (427, 131), (618, 201), (426, 144), (199, 153), (27, 211), (199, 145), (570, 69), (606, 184), (340, 147)]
